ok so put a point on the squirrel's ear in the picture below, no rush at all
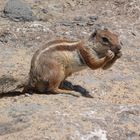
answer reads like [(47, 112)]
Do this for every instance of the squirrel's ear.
[(93, 34)]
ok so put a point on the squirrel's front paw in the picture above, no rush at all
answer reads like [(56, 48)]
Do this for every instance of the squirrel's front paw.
[(110, 55)]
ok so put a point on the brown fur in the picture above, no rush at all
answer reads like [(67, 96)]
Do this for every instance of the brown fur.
[(58, 59)]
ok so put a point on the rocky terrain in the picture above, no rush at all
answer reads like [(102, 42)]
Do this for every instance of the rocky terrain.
[(114, 111)]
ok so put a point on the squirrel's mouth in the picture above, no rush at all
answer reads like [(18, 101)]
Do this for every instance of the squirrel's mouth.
[(116, 50)]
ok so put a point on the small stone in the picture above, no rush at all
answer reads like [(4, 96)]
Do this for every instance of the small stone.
[(93, 18), (78, 18), (45, 11), (133, 33)]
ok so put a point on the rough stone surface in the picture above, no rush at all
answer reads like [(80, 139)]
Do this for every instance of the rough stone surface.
[(114, 111), (18, 10)]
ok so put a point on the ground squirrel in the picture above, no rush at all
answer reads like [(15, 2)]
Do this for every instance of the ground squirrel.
[(58, 59)]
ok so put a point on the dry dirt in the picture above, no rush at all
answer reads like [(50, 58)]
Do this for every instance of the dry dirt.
[(113, 113)]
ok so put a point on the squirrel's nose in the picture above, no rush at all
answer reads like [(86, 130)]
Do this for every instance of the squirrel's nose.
[(119, 47)]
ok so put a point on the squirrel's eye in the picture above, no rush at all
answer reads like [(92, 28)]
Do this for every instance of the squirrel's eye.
[(105, 40)]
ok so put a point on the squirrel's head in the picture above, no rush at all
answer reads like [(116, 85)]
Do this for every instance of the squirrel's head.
[(104, 40)]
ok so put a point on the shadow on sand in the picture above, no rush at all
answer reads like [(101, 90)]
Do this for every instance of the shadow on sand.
[(65, 85)]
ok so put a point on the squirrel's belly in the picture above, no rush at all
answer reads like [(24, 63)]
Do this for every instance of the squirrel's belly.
[(76, 63)]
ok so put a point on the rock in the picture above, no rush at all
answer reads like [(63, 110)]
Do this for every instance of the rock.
[(5, 36), (93, 18), (45, 11), (80, 21), (18, 11), (19, 114), (13, 70), (7, 128), (79, 18), (6, 81)]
